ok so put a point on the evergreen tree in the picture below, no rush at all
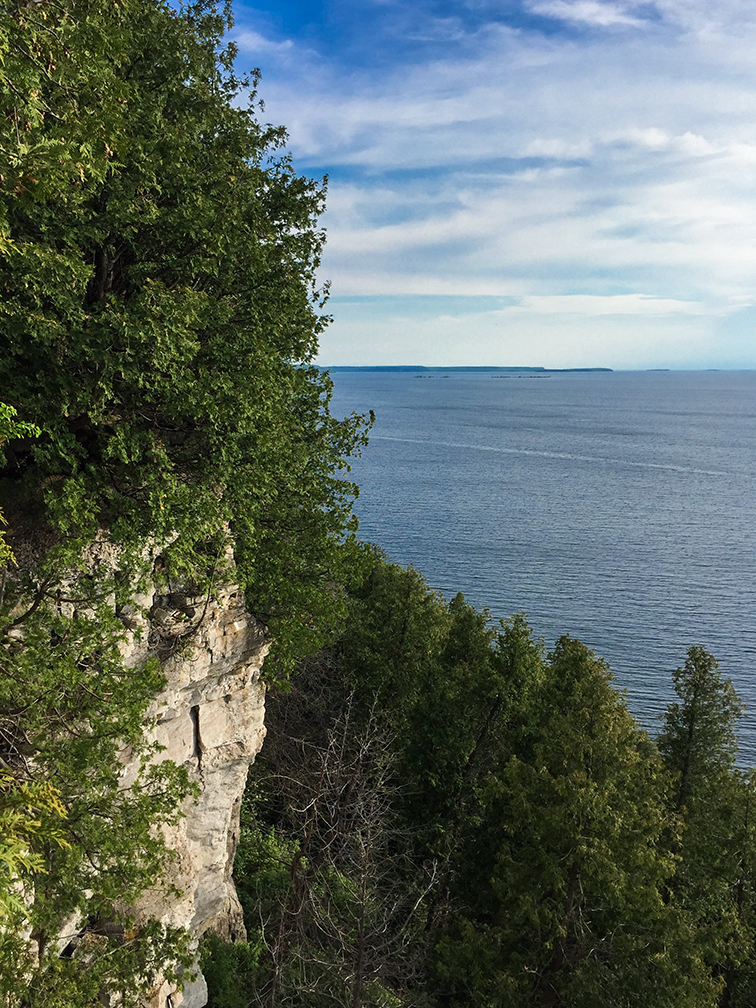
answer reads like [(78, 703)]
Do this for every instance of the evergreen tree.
[(157, 258), (526, 814), (699, 743), (715, 881), (561, 879)]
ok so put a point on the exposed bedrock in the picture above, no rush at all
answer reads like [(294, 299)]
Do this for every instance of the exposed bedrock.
[(209, 718)]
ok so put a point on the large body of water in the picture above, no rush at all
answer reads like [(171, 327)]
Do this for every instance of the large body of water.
[(617, 507)]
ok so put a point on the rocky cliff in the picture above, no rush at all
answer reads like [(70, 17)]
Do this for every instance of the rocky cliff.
[(209, 718)]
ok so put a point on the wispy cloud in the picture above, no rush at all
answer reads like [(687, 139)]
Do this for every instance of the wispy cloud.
[(615, 304), (594, 160), (586, 12)]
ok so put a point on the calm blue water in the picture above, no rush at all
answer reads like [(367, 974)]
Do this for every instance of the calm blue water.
[(619, 508)]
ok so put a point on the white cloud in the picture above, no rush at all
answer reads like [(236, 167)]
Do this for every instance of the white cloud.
[(616, 172), (586, 12), (709, 20), (616, 304), (254, 43), (558, 147)]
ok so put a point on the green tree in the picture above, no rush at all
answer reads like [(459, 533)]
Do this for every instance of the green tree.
[(737, 956), (698, 742), (22, 806), (158, 262), (158, 319), (468, 705), (530, 826), (82, 845), (10, 428), (561, 879), (715, 881)]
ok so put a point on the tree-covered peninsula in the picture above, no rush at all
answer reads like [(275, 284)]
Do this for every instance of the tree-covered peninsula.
[(444, 814)]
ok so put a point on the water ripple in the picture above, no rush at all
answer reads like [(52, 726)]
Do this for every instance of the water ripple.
[(553, 455)]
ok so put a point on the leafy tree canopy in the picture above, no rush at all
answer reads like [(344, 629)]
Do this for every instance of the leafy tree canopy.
[(159, 309), (158, 315)]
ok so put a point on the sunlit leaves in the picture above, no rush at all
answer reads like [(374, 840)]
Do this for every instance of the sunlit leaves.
[(160, 307)]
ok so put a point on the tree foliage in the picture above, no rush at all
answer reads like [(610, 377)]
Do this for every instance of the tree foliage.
[(698, 741), (159, 315), (81, 844), (10, 427), (561, 873), (524, 841), (158, 258), (716, 883), (445, 816)]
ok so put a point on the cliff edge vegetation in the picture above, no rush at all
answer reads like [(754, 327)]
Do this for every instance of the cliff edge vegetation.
[(158, 317), (445, 815)]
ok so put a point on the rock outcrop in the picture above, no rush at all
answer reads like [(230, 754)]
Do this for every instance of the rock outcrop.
[(208, 718)]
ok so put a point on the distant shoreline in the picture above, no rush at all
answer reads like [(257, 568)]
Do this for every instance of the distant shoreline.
[(420, 367)]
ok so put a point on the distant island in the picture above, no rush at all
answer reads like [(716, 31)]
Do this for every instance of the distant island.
[(420, 367)]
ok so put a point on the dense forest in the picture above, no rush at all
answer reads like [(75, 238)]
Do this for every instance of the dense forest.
[(444, 814)]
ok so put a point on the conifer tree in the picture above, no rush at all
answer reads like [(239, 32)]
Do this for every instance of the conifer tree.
[(562, 878), (530, 819), (699, 743), (715, 881), (158, 260)]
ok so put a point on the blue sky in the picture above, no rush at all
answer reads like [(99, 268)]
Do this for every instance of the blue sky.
[(564, 183)]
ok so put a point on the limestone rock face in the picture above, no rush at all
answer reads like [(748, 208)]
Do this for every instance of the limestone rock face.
[(209, 718)]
